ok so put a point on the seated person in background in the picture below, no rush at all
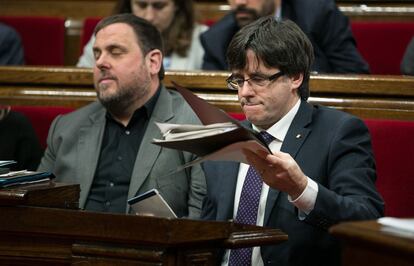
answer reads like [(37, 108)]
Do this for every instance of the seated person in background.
[(321, 20), (106, 146), (321, 170), (11, 49), (175, 20), (18, 140), (407, 63)]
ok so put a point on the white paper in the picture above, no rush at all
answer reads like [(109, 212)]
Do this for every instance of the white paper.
[(185, 131), (4, 163), (154, 205), (398, 223)]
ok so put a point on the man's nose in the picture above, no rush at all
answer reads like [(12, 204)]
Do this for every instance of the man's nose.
[(245, 89), (102, 61)]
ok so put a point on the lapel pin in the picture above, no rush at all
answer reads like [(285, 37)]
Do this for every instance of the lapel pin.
[(298, 136)]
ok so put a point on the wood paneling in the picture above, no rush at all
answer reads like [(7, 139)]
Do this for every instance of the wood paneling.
[(367, 96)]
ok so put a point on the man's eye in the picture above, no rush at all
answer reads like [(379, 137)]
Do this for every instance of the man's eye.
[(258, 80), (238, 81), (116, 52), (96, 55)]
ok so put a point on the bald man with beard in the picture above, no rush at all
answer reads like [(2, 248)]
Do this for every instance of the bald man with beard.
[(321, 20)]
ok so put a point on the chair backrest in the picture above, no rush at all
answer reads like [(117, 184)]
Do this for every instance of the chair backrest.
[(393, 149), (41, 117), (89, 25), (43, 38), (382, 44)]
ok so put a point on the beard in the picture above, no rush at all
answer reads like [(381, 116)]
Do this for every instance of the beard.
[(245, 15), (119, 100)]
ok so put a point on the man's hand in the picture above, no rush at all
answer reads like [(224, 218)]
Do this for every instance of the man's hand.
[(279, 171)]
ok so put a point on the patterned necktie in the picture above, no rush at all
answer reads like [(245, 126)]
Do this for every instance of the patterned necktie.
[(248, 208)]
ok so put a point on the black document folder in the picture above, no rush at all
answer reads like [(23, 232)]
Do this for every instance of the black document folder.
[(225, 145)]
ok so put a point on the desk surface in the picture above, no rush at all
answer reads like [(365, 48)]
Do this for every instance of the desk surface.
[(369, 243)]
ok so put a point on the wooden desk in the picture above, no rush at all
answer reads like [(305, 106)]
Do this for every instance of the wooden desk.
[(369, 243), (45, 236)]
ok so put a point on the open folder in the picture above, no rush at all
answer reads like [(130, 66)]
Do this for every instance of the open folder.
[(221, 137)]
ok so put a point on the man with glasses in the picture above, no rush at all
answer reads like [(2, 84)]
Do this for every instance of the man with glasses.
[(325, 25), (321, 170)]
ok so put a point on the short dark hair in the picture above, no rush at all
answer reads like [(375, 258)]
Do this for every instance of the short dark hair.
[(178, 36), (148, 37), (280, 44)]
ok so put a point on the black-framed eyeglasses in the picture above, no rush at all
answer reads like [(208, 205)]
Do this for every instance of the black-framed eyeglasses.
[(235, 83)]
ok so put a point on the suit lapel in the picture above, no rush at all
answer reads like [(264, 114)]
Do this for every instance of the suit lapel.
[(89, 145), (295, 137), (229, 172), (148, 153)]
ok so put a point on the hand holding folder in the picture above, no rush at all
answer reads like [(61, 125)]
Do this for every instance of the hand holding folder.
[(221, 138)]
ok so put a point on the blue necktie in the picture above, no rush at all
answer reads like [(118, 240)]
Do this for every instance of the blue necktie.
[(248, 208)]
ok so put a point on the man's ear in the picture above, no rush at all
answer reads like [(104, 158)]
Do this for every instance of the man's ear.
[(296, 80), (154, 61)]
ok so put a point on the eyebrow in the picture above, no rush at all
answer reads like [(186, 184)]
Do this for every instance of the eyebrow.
[(110, 47), (256, 73)]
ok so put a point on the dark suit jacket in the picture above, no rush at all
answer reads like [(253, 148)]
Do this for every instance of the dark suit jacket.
[(407, 63), (11, 49), (74, 144), (326, 27), (334, 150), (19, 142)]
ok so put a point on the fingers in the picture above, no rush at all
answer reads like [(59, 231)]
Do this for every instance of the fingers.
[(278, 170)]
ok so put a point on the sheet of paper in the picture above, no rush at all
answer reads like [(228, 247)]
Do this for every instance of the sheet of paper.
[(398, 223), (151, 203), (183, 132), (4, 163)]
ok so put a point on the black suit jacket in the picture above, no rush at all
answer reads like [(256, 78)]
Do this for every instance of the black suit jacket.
[(321, 20), (334, 150), (11, 49)]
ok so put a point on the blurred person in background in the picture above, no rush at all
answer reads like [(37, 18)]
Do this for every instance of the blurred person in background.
[(18, 140), (407, 63), (175, 20), (11, 49), (323, 23)]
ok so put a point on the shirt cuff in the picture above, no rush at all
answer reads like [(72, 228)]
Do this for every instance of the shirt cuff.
[(306, 201)]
